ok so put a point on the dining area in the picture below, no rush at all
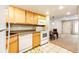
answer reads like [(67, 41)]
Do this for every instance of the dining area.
[(53, 34)]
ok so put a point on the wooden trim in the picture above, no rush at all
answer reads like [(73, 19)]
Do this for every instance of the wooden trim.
[(18, 43)]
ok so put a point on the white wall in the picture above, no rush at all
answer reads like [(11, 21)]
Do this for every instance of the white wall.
[(56, 24), (78, 32), (48, 25), (3, 28)]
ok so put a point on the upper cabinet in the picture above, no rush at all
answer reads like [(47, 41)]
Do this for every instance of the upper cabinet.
[(42, 17), (29, 17), (10, 14), (19, 15), (35, 18), (41, 20)]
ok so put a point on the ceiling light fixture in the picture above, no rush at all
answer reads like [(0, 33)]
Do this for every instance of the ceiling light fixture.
[(61, 7)]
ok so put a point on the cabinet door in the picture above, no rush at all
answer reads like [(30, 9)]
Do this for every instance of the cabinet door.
[(14, 45), (19, 16), (35, 19), (29, 17), (42, 17), (36, 40), (10, 14)]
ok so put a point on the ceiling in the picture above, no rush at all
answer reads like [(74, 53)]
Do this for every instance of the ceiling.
[(52, 9)]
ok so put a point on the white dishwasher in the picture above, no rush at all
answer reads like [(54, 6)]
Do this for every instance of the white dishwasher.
[(25, 42)]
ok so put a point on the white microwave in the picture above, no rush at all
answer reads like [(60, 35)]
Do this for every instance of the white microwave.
[(41, 22)]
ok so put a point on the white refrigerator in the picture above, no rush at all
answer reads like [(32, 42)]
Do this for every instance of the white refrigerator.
[(3, 28)]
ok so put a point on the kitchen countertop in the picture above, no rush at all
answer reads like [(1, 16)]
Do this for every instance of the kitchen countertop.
[(11, 35), (14, 33)]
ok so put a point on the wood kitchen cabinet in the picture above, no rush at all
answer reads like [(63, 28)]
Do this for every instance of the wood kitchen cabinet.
[(19, 16), (35, 18), (13, 45), (36, 39), (10, 14), (42, 17), (29, 17)]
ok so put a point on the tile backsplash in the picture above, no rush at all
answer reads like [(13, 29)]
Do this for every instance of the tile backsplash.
[(21, 27)]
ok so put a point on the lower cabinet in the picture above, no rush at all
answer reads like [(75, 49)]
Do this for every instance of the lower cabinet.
[(36, 39), (25, 42), (13, 45)]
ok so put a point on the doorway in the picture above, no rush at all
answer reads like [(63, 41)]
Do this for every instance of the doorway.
[(76, 27)]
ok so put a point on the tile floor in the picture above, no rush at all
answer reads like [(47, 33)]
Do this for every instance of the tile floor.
[(49, 48)]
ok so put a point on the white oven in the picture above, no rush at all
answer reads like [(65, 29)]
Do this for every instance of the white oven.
[(44, 33), (44, 37)]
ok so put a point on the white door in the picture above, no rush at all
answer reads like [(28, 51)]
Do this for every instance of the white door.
[(67, 27)]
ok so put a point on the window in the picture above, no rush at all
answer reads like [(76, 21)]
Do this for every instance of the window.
[(76, 26)]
